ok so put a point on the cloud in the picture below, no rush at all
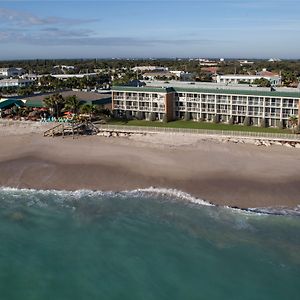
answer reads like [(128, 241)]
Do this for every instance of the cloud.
[(20, 18), (53, 36)]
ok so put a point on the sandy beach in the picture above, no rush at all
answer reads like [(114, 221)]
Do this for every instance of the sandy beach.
[(230, 174)]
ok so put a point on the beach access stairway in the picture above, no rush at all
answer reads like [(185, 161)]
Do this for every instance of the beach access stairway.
[(72, 129)]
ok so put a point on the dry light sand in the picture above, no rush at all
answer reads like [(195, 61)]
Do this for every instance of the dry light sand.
[(223, 173)]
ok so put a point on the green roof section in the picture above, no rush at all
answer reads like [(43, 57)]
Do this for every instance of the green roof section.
[(240, 92), (142, 89), (34, 103), (219, 91), (11, 102)]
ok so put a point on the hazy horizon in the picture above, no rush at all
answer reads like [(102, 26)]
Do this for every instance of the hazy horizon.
[(260, 29)]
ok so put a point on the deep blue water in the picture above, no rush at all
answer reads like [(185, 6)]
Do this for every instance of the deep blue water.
[(137, 245)]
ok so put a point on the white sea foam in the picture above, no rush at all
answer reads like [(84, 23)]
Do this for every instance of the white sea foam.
[(64, 195)]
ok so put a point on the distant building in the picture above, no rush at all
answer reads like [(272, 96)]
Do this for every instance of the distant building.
[(15, 83), (238, 78), (66, 76), (11, 72), (274, 60), (245, 62), (155, 75), (64, 67), (149, 68)]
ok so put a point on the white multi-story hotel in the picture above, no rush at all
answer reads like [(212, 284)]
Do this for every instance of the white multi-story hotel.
[(207, 102)]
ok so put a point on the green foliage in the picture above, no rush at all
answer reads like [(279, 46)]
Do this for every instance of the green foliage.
[(165, 118), (72, 104), (187, 116), (263, 123), (216, 119), (152, 116), (140, 115), (262, 82), (247, 121), (56, 103)]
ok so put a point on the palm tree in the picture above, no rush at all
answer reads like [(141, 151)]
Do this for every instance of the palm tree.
[(72, 104), (56, 103), (88, 109), (294, 122)]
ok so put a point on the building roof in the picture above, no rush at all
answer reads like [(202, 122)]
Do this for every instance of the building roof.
[(85, 97), (207, 90), (9, 102)]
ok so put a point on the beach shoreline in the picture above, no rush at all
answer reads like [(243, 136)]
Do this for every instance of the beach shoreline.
[(235, 175)]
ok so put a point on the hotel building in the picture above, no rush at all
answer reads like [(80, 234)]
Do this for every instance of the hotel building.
[(207, 102)]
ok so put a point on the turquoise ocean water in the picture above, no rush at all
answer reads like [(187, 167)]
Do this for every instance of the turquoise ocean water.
[(142, 245)]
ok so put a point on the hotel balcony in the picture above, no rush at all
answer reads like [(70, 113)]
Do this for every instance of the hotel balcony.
[(290, 105), (132, 98), (272, 115), (255, 114), (239, 112), (145, 108), (223, 111), (208, 100), (132, 107), (159, 109), (119, 107), (181, 108), (235, 102)]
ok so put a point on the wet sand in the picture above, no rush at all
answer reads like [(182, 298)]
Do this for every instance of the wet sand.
[(226, 174)]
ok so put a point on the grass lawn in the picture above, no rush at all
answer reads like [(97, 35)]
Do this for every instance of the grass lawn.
[(198, 125)]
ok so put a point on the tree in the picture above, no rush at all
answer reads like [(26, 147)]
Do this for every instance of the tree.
[(263, 123), (72, 104), (152, 117), (231, 121), (216, 119), (56, 103), (187, 116), (247, 121), (294, 123), (165, 118), (262, 82), (88, 109)]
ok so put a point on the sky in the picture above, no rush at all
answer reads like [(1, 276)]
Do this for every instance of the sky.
[(148, 28)]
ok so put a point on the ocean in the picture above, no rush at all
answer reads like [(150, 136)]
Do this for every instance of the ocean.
[(143, 244)]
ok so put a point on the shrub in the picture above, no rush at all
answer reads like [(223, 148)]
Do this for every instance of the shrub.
[(280, 124), (247, 121), (140, 115), (152, 117), (216, 119), (128, 115), (187, 116), (165, 118), (263, 123)]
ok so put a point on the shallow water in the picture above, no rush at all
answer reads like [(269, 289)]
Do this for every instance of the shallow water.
[(142, 245)]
